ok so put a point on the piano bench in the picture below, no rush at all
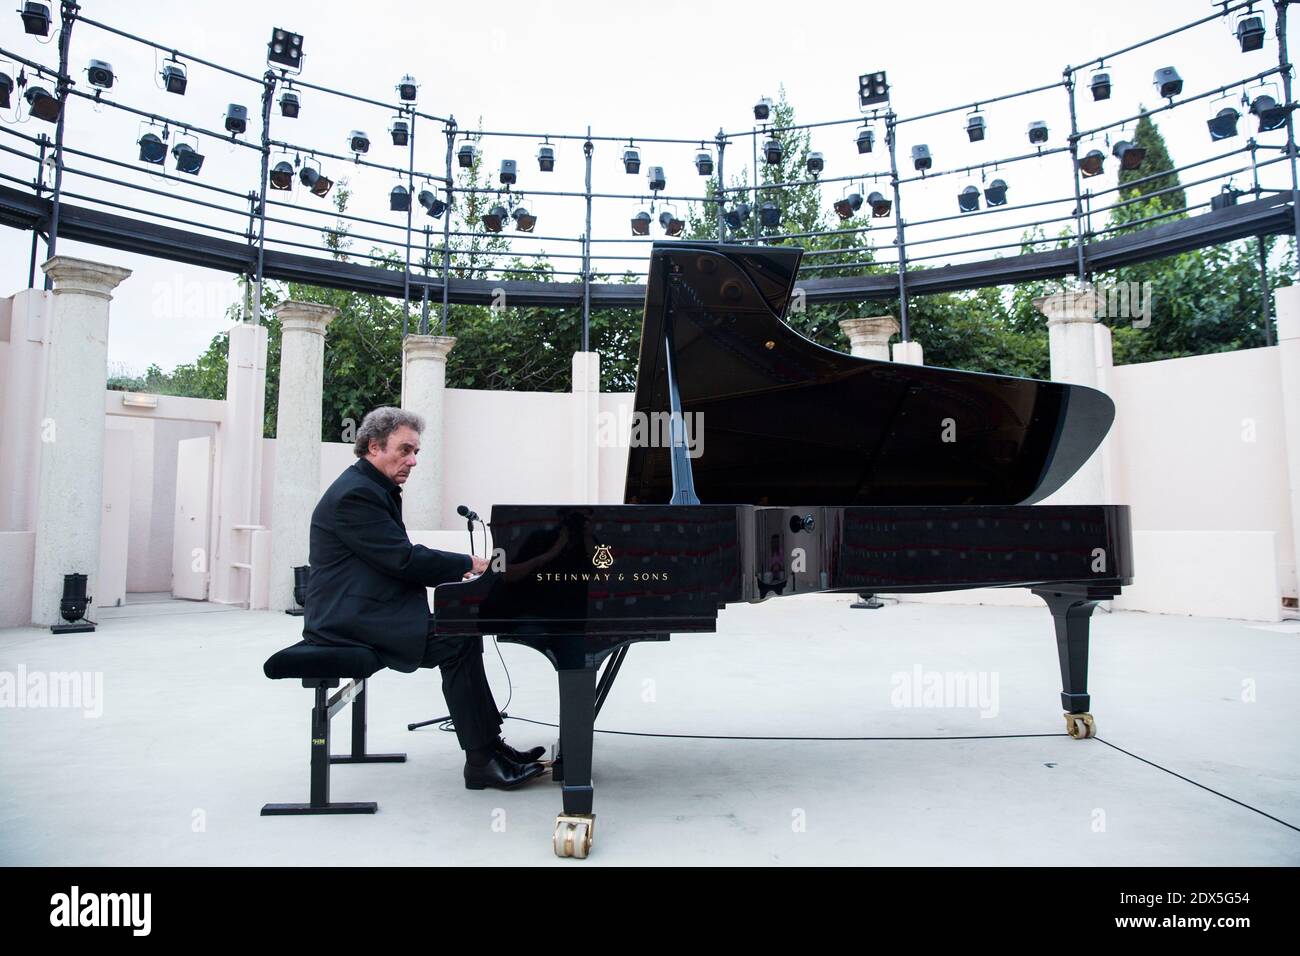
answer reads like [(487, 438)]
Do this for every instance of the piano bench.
[(321, 667)]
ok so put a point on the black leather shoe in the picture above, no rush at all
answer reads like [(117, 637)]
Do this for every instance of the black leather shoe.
[(501, 773), (519, 756)]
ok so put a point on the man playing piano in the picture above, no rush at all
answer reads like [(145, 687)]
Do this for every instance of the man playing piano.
[(367, 586)]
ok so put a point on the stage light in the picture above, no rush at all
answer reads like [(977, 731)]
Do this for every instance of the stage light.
[(1130, 156), (493, 218), (406, 89), (1038, 132), (672, 226), (524, 220), (1100, 86), (655, 179), (42, 104), (641, 224), (880, 206), (1223, 124), (152, 149), (6, 90), (399, 200), (704, 163), (968, 200), (36, 18), (769, 214), (816, 163), (631, 160), (763, 109), (1168, 82), (188, 159), (358, 141), (434, 206), (400, 131), (508, 172), (1271, 116), (314, 180), (73, 605), (289, 104), (1226, 197), (321, 186), (975, 127), (546, 158), (1250, 33), (772, 150), (995, 193), (866, 139), (282, 175), (846, 206), (173, 77), (466, 155), (736, 216), (921, 157), (872, 88), (285, 48), (1092, 163), (236, 118), (100, 74)]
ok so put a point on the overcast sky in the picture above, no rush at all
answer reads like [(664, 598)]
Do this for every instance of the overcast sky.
[(626, 69)]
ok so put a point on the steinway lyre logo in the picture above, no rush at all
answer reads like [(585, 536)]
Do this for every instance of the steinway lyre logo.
[(602, 558)]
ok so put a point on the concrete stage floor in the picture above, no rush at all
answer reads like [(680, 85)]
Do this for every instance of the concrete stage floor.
[(192, 740)]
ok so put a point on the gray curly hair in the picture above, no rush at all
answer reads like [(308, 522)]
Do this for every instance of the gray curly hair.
[(382, 422)]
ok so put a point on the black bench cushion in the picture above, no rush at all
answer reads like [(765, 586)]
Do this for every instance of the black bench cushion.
[(317, 660)]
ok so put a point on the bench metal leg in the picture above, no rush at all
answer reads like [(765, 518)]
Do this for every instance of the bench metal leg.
[(359, 754), (320, 767)]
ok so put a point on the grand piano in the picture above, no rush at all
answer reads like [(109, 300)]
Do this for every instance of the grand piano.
[(763, 465)]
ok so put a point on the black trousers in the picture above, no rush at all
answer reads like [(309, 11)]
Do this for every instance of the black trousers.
[(465, 687)]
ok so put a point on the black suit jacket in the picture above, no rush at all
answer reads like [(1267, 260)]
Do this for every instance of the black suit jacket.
[(367, 581)]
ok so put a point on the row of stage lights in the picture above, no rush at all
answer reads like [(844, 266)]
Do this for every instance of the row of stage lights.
[(285, 49)]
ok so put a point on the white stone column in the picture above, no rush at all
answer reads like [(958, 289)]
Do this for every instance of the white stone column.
[(869, 337), (586, 409), (909, 353), (1072, 343), (1288, 350), (70, 485), (297, 441), (22, 391), (424, 383), (237, 464)]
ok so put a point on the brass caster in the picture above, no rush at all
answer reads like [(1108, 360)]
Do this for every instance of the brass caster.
[(1081, 726), (573, 835)]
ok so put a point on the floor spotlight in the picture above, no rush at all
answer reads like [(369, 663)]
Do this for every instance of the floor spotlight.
[(236, 118), (466, 155), (763, 109), (655, 179), (1092, 163), (1250, 32), (6, 90), (406, 89), (282, 175), (1223, 124), (872, 88), (285, 48), (152, 149), (289, 104), (42, 104), (704, 162), (1100, 86), (816, 163), (641, 224), (400, 131), (546, 158), (399, 199), (524, 220), (188, 159), (1129, 155), (358, 142), (672, 226), (173, 76), (866, 139), (631, 160), (1168, 82), (772, 151), (847, 205), (100, 74), (995, 193), (769, 214), (493, 218), (968, 200), (1271, 116), (36, 18), (73, 604), (975, 127), (921, 158), (434, 206), (1038, 132), (880, 206)]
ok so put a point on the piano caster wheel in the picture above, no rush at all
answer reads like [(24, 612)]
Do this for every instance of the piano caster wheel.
[(1080, 726), (573, 835)]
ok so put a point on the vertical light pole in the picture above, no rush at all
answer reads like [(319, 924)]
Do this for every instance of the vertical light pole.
[(1285, 66), (1079, 233), (721, 140), (68, 15), (587, 149), (891, 140), (268, 96), (446, 229)]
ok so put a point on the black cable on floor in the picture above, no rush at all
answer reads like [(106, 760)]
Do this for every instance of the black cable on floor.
[(1175, 773)]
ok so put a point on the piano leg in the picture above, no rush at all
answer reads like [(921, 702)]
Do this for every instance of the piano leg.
[(575, 827), (1071, 613)]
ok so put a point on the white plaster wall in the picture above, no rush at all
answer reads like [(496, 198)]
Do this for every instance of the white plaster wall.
[(17, 553), (24, 328)]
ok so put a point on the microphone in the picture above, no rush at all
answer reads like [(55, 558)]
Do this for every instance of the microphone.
[(467, 514)]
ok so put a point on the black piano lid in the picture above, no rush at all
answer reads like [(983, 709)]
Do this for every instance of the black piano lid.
[(787, 421)]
